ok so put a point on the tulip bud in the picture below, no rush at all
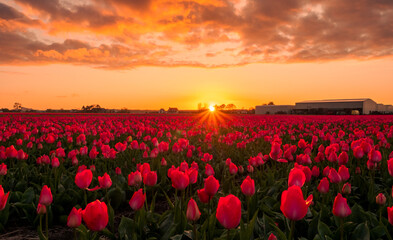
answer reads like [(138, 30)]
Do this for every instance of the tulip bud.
[(272, 237), (84, 178), (3, 169), (296, 177), (193, 212), (95, 215), (229, 211), (346, 189), (75, 218), (137, 200), (248, 186), (293, 205), (41, 209), (232, 168), (105, 181), (203, 196), (390, 215), (340, 207), (209, 171), (323, 186), (45, 196), (180, 180), (150, 178), (380, 199), (3, 198), (211, 185), (134, 178)]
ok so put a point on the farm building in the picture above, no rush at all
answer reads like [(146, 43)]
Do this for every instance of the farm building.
[(330, 106), (336, 106), (274, 109)]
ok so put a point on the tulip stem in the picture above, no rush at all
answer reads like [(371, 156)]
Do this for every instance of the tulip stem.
[(248, 208), (229, 234), (342, 228), (292, 230), (41, 224), (85, 196), (195, 232), (75, 234), (46, 225)]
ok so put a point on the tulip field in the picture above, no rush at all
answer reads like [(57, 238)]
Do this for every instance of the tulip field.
[(206, 176)]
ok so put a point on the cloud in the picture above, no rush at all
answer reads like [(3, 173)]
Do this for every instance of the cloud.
[(216, 33)]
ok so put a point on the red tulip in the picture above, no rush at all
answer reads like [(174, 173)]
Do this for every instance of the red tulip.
[(358, 152), (118, 171), (45, 196), (211, 185), (315, 171), (137, 200), (75, 218), (293, 205), (296, 177), (380, 199), (55, 162), (183, 166), (83, 179), (192, 175), (150, 178), (323, 186), (272, 237), (163, 162), (193, 212), (105, 181), (134, 178), (41, 209), (95, 215), (340, 207), (334, 176), (202, 195), (248, 186), (344, 173), (343, 158), (232, 168), (3, 169), (209, 171), (390, 215), (326, 171), (374, 156), (180, 180), (229, 211), (390, 166), (3, 198)]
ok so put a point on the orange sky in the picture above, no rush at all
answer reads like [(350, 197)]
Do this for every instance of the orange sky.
[(151, 54)]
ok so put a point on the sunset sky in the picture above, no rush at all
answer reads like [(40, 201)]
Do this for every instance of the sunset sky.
[(151, 54)]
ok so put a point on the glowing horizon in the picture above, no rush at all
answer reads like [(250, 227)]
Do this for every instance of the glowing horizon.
[(158, 54)]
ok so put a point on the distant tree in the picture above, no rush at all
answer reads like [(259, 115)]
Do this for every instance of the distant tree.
[(270, 103), (221, 107), (202, 106), (230, 106), (17, 106)]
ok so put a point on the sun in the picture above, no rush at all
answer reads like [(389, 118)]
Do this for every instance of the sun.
[(212, 108)]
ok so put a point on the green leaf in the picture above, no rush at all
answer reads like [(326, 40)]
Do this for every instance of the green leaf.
[(361, 232), (250, 227), (279, 234), (153, 203), (323, 230), (377, 232), (111, 215), (28, 196), (127, 228)]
